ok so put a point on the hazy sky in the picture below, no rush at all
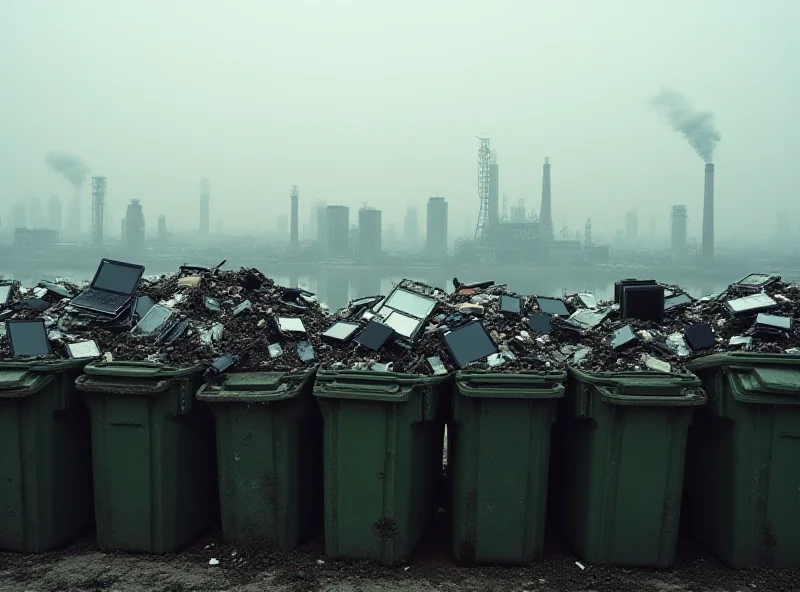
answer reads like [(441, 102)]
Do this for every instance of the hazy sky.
[(380, 102)]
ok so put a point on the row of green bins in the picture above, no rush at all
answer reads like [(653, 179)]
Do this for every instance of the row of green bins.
[(619, 451), (499, 440), (45, 468), (269, 456), (743, 475), (152, 454), (382, 443)]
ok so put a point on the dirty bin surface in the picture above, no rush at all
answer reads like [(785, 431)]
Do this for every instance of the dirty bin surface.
[(269, 455), (383, 435), (743, 481), (619, 453), (45, 463), (500, 445), (153, 455)]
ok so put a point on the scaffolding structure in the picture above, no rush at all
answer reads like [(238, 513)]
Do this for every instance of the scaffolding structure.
[(484, 167), (98, 208)]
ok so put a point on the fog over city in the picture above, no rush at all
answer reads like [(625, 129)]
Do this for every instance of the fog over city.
[(358, 102)]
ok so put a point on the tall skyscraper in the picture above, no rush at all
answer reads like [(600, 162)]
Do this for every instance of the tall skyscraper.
[(370, 240), (162, 228), (294, 236), (338, 231), (678, 230), (437, 229), (134, 228)]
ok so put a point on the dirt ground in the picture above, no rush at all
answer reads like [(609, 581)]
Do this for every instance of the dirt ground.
[(83, 568)]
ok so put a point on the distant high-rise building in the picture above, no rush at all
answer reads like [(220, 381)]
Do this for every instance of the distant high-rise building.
[(411, 226), (322, 228), (294, 237), (54, 213), (205, 205), (162, 228), (631, 226), (546, 208), (437, 229), (338, 230), (678, 230), (134, 228), (19, 215), (370, 240)]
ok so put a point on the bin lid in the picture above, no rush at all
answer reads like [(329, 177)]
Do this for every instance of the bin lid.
[(20, 382), (253, 387)]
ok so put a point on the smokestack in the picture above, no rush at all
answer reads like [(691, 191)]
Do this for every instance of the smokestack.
[(708, 215), (293, 234), (545, 213)]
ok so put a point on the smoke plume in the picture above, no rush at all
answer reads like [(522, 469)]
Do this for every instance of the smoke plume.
[(696, 126), (71, 167)]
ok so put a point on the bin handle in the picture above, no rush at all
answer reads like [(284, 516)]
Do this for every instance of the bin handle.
[(18, 393), (534, 391), (688, 396), (83, 383)]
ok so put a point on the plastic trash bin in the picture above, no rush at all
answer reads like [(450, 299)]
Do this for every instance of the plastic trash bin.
[(269, 457), (619, 453), (742, 477), (500, 446), (153, 455), (382, 446), (45, 463)]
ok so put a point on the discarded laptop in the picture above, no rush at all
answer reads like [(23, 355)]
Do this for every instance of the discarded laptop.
[(27, 339), (112, 288)]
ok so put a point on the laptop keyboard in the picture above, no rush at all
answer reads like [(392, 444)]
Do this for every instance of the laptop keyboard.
[(103, 299)]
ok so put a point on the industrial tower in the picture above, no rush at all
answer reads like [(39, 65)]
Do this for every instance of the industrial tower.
[(484, 168), (294, 195), (98, 207)]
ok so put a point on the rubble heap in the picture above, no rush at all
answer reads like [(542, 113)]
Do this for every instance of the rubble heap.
[(754, 314)]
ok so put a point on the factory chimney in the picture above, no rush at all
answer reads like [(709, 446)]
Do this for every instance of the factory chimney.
[(545, 213), (708, 215), (293, 232)]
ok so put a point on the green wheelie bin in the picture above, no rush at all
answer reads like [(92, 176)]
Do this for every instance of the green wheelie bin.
[(153, 455), (45, 464), (269, 456), (618, 464), (743, 467), (382, 449), (499, 442)]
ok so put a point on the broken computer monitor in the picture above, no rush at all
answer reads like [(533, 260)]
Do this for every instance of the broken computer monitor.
[(540, 322), (552, 306), (618, 286), (291, 325), (143, 306), (775, 322), (221, 364), (643, 302), (469, 343), (699, 336), (5, 293), (83, 349), (174, 332), (340, 332), (157, 320), (27, 339), (510, 305), (678, 300), (752, 304), (622, 338), (374, 335), (403, 324), (756, 281)]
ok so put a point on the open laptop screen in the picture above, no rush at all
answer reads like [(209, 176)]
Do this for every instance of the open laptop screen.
[(117, 277)]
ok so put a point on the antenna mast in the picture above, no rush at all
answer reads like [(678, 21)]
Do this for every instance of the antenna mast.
[(484, 162)]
